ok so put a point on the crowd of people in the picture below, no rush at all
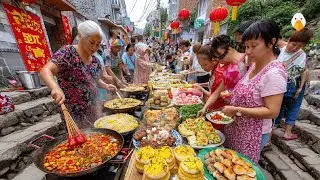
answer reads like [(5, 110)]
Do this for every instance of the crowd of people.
[(265, 75)]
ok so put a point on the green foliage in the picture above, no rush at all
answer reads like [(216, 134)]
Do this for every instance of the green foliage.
[(147, 30), (280, 11), (193, 16), (311, 9), (315, 41), (163, 16)]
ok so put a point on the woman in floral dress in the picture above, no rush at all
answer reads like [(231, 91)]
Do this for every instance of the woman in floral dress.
[(258, 95), (78, 75)]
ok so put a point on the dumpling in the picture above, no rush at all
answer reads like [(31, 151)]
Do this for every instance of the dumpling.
[(227, 162), (220, 167), (228, 173), (239, 170)]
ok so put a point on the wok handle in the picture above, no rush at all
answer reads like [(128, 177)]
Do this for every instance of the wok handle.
[(121, 161), (44, 136)]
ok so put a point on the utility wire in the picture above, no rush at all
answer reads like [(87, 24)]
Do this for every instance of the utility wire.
[(149, 9), (134, 4), (145, 10)]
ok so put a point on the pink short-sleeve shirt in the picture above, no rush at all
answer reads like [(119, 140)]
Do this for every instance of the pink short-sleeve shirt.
[(272, 83)]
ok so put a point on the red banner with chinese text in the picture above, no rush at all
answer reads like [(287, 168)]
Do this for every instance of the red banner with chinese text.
[(28, 31), (66, 28)]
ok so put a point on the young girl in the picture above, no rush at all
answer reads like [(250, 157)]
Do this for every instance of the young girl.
[(230, 69), (258, 95), (294, 59)]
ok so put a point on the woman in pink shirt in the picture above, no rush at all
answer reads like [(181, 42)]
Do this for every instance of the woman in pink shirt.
[(258, 95)]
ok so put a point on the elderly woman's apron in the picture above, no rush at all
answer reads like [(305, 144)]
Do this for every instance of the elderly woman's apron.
[(244, 134)]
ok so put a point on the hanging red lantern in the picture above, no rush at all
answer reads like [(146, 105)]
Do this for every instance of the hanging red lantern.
[(217, 15), (175, 25), (235, 5), (184, 14)]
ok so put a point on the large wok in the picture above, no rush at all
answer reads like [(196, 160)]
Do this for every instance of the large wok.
[(42, 151)]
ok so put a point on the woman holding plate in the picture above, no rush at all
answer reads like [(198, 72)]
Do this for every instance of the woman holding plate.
[(258, 95)]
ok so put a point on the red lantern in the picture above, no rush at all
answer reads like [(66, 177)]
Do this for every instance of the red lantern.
[(217, 15), (184, 14), (235, 5), (175, 25)]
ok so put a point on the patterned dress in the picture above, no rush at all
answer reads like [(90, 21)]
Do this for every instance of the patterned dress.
[(78, 82), (244, 134)]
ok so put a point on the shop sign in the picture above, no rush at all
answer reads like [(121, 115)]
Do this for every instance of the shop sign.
[(28, 31), (66, 28)]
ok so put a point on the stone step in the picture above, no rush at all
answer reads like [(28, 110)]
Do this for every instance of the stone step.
[(14, 151), (309, 111), (313, 100), (299, 152), (20, 97), (309, 133), (314, 75), (30, 173), (282, 167), (26, 114)]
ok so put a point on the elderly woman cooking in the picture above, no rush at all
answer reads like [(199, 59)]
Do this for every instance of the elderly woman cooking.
[(78, 75)]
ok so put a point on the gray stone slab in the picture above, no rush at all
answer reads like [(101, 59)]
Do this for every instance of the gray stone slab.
[(39, 93), (304, 111), (315, 117), (276, 161), (316, 171), (305, 152), (30, 173), (308, 132), (35, 107), (312, 160), (290, 174), (34, 103), (18, 97), (8, 120), (30, 132), (313, 100), (316, 147)]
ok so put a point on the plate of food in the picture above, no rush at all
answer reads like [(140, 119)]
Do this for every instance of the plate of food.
[(200, 133), (145, 154), (123, 105), (189, 111), (122, 123), (183, 99), (218, 117), (167, 118), (156, 137), (222, 163), (159, 100)]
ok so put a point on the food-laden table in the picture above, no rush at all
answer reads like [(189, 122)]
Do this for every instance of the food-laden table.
[(163, 137)]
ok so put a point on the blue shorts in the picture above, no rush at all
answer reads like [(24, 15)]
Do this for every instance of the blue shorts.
[(290, 106), (264, 141)]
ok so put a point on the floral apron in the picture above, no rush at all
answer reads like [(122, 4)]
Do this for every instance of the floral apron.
[(244, 134)]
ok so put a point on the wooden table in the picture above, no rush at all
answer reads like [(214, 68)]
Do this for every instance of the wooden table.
[(132, 173)]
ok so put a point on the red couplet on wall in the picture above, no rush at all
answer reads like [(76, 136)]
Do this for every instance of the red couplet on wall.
[(28, 31)]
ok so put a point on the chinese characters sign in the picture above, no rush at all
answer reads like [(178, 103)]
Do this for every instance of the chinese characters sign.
[(66, 28), (30, 37)]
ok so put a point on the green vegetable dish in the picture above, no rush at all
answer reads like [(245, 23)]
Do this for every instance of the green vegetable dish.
[(189, 111)]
